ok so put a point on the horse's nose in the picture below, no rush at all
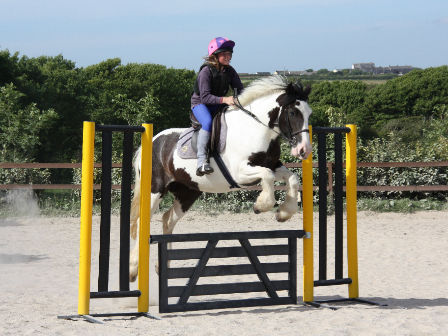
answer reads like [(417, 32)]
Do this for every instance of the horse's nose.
[(303, 153)]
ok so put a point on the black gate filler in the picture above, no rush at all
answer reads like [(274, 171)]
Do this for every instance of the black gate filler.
[(211, 251)]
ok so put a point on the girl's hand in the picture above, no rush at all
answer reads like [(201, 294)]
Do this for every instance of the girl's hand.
[(228, 100)]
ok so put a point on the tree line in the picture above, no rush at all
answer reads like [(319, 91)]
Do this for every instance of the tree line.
[(44, 100)]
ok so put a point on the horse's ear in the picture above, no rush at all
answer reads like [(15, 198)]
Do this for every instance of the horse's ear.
[(307, 90), (298, 85), (290, 88)]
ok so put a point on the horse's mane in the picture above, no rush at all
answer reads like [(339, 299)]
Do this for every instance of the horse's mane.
[(261, 87)]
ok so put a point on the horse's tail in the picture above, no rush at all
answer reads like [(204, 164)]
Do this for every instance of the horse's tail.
[(135, 207)]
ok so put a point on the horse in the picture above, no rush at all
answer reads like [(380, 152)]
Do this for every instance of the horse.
[(269, 108)]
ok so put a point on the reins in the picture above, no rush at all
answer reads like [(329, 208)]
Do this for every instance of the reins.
[(289, 137)]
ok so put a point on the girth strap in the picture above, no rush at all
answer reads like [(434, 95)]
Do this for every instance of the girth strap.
[(224, 170)]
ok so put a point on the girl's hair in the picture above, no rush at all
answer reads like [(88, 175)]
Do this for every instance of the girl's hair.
[(213, 60)]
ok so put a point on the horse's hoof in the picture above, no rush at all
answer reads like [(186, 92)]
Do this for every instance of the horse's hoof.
[(278, 218), (256, 211), (132, 279)]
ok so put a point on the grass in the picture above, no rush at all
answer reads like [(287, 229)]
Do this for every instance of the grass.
[(404, 205), (59, 205), (401, 205), (375, 81), (64, 203), (213, 207)]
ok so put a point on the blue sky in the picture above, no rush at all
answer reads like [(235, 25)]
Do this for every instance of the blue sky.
[(269, 35)]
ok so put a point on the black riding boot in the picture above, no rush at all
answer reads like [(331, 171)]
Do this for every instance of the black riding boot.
[(203, 166)]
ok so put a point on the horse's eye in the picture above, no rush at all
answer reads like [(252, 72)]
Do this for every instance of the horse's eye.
[(291, 112)]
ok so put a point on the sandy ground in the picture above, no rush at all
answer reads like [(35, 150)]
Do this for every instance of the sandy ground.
[(402, 262)]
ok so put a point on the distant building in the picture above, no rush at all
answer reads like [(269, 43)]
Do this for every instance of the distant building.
[(263, 73), (397, 69), (367, 67), (293, 73), (296, 73), (281, 72), (306, 73), (370, 67)]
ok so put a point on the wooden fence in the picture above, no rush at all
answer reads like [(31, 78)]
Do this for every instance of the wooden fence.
[(330, 166)]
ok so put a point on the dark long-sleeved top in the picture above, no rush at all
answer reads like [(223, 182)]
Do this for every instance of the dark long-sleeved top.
[(205, 77)]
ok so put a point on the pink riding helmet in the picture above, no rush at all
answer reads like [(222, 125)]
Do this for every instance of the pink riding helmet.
[(220, 44)]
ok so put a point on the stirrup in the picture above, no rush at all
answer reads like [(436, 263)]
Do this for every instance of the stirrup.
[(205, 169)]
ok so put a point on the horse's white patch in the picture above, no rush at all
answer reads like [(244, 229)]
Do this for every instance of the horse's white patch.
[(303, 149)]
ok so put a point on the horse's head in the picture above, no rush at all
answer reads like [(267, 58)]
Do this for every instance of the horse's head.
[(294, 118)]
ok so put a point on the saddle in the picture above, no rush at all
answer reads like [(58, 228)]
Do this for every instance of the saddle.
[(187, 144)]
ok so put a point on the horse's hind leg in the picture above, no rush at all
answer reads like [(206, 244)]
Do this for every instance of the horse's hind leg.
[(133, 257), (184, 198), (289, 207)]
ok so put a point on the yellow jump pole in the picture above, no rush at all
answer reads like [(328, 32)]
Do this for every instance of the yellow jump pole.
[(145, 218), (308, 263), (86, 217), (351, 195)]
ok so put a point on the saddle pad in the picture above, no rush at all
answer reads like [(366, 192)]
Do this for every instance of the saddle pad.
[(185, 149)]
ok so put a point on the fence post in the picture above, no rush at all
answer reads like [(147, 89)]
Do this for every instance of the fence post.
[(145, 218), (351, 198), (308, 263), (86, 218)]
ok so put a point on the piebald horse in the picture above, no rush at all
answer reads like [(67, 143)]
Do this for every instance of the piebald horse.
[(270, 108)]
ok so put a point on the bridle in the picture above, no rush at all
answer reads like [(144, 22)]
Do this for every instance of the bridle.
[(289, 136)]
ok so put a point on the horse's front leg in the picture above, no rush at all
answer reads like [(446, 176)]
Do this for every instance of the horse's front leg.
[(289, 207), (266, 199)]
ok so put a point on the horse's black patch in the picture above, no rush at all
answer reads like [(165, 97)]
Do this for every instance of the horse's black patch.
[(163, 171), (166, 178), (161, 150), (288, 101), (183, 188), (296, 120), (293, 92), (181, 176), (269, 159), (186, 196), (273, 115)]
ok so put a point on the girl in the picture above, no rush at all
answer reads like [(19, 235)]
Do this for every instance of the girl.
[(212, 84)]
